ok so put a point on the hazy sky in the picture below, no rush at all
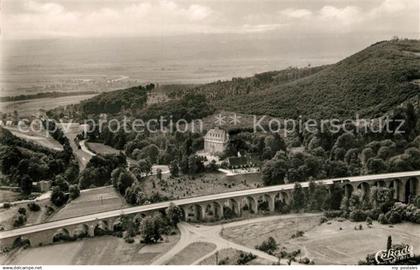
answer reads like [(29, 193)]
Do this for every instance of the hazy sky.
[(113, 18)]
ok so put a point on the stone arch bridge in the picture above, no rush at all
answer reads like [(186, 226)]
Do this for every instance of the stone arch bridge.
[(209, 207)]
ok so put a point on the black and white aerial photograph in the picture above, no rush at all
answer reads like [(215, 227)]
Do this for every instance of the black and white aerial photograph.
[(209, 132)]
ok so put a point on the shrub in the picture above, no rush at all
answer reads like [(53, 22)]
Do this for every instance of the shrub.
[(223, 261), (74, 191), (244, 258), (305, 260), (228, 213), (22, 211), (268, 246), (298, 234), (417, 202), (6, 205), (61, 236), (174, 214), (34, 207), (19, 220), (58, 197), (129, 240), (373, 214), (393, 217), (151, 228), (369, 221)]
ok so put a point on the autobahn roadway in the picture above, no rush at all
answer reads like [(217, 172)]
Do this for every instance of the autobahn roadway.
[(194, 200)]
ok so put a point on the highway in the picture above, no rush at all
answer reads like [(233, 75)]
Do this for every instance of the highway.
[(192, 200)]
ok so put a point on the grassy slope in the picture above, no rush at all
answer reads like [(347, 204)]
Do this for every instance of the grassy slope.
[(370, 82)]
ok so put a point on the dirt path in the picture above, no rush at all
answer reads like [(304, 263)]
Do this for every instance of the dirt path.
[(191, 233)]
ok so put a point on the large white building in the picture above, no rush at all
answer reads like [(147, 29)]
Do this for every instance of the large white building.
[(215, 141)]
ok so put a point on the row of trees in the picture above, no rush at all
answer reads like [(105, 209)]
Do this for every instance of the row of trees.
[(316, 197)]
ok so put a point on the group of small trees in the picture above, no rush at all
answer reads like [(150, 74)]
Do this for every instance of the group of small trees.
[(347, 152), (62, 191), (152, 227), (98, 170), (269, 246)]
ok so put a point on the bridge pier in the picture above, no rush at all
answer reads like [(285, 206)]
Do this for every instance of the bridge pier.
[(401, 189), (271, 198), (91, 230), (218, 210), (201, 209), (253, 204)]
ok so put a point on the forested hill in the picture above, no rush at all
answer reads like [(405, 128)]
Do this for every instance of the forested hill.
[(370, 82)]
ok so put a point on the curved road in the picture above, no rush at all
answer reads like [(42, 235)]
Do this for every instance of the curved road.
[(191, 233)]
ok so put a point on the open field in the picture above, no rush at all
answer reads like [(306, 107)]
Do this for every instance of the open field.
[(325, 243), (31, 107), (255, 233), (90, 202), (102, 250), (7, 215), (100, 148), (192, 253), (199, 185)]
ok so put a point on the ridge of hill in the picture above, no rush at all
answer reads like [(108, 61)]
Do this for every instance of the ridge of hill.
[(369, 83)]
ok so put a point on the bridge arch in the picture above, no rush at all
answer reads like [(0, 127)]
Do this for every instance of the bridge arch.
[(81, 231), (101, 228), (190, 212), (236, 204), (364, 187), (61, 235), (251, 204), (284, 197), (21, 242)]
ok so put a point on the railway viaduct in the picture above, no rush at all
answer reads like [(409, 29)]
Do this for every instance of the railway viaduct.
[(209, 207)]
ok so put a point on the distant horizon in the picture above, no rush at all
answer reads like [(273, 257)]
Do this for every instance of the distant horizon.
[(144, 18), (267, 35)]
